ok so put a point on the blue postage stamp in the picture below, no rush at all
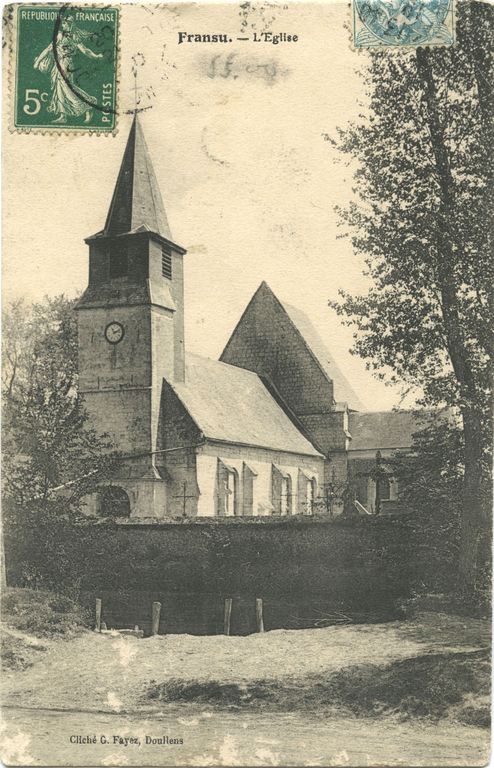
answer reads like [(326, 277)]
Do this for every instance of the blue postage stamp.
[(408, 23)]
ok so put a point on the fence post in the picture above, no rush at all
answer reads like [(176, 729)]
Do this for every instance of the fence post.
[(227, 615), (259, 617), (97, 623), (155, 619)]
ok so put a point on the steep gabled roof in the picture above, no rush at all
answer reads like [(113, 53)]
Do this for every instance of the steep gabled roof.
[(385, 430), (342, 389), (232, 405), (136, 204), (309, 339)]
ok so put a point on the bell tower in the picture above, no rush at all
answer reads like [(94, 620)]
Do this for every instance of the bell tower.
[(131, 324)]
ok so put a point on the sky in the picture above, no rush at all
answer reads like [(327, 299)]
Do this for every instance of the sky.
[(238, 137)]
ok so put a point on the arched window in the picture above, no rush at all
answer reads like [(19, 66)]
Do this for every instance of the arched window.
[(248, 489), (226, 490), (230, 493), (113, 502), (307, 492), (281, 491), (286, 495)]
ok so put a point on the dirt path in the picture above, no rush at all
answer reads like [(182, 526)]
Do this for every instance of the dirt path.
[(234, 739), (94, 680), (112, 673)]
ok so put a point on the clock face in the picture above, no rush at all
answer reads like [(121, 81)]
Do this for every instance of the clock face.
[(114, 332)]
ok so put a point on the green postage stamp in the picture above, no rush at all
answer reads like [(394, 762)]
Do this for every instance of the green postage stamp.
[(65, 72)]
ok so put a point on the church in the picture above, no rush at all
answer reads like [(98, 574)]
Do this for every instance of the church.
[(272, 428)]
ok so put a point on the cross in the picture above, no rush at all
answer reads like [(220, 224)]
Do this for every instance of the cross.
[(135, 89), (184, 498)]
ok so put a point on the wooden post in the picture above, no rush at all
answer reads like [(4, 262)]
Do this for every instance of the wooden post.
[(227, 615), (155, 619), (259, 617), (97, 624)]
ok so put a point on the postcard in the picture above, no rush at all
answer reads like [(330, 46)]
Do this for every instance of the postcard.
[(247, 342)]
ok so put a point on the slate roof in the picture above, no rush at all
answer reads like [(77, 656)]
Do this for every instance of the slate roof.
[(233, 405), (136, 204), (343, 391), (384, 429)]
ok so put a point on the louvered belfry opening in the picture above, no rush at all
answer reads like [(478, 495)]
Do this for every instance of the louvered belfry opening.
[(166, 262)]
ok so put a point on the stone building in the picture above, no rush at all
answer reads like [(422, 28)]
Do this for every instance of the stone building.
[(264, 431)]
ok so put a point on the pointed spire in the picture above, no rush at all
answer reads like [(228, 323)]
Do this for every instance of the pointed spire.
[(136, 201)]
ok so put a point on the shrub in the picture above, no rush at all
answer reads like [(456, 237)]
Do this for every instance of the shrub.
[(42, 613)]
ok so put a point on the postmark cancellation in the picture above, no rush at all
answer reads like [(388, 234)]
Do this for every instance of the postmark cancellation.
[(64, 66), (403, 23)]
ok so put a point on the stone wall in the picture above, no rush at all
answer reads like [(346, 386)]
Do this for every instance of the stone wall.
[(306, 570)]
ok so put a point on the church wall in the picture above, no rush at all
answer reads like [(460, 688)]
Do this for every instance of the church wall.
[(99, 263), (327, 430), (124, 415), (176, 285), (337, 467), (177, 436), (181, 483), (260, 460), (266, 343), (162, 334), (163, 364), (106, 366), (147, 496)]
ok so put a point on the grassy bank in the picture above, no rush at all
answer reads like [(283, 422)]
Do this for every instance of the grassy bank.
[(433, 686), (30, 618)]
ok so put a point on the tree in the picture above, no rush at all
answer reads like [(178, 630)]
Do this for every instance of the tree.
[(422, 219), (431, 480), (51, 458)]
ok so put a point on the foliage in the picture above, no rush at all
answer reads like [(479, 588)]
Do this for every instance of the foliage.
[(422, 218), (42, 613), (399, 212), (51, 457), (431, 481), (432, 686), (39, 614), (47, 441)]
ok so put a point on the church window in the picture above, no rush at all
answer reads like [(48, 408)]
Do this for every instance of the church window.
[(307, 492), (226, 490), (119, 266), (286, 495), (166, 262), (281, 491), (248, 486)]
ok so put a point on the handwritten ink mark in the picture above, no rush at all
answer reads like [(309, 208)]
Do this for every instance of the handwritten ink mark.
[(206, 151)]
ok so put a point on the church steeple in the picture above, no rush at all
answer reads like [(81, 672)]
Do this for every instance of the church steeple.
[(137, 204), (133, 261), (131, 326)]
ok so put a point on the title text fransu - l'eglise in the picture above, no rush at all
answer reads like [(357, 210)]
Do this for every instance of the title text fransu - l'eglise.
[(257, 37)]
